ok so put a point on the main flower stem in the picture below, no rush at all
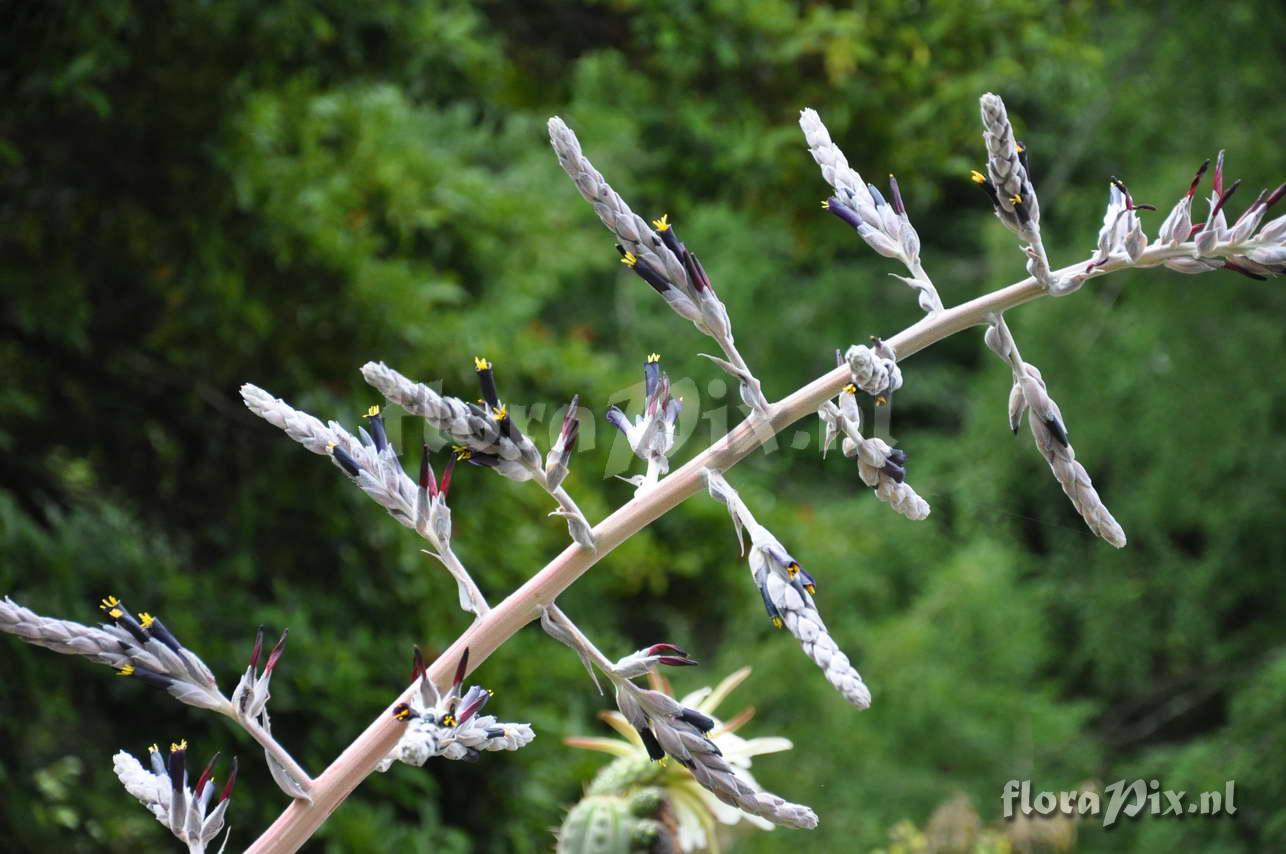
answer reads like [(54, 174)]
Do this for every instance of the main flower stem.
[(301, 819)]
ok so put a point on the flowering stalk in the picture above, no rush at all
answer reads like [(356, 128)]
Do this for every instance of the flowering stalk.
[(360, 758)]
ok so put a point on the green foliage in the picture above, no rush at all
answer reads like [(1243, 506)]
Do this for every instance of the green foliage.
[(197, 195)]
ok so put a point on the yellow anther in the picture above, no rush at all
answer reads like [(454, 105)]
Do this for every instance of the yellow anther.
[(850, 389), (881, 400), (330, 446), (629, 259), (373, 411), (653, 358), (152, 748), (663, 223), (145, 619), (977, 177), (182, 745), (826, 204), (403, 713), (500, 413), (108, 602), (481, 364), (1015, 199), (811, 588), (125, 670), (777, 623), (461, 452), (448, 720), (1019, 146), (793, 569), (490, 693)]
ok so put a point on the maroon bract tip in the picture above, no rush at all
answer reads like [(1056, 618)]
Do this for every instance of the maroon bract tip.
[(205, 775), (446, 475), (427, 480), (1196, 181), (275, 655), (1223, 199), (1218, 179), (232, 782), (417, 662), (461, 669), (665, 649), (1275, 196), (254, 653)]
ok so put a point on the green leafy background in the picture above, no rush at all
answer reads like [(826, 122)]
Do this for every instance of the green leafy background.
[(196, 195)]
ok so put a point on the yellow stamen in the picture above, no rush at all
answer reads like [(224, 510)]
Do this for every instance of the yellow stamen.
[(461, 452), (448, 720), (663, 223), (481, 364), (152, 748), (115, 613), (500, 413), (373, 411), (330, 446), (777, 623), (629, 259), (653, 358), (793, 569), (403, 713), (811, 588), (881, 400), (826, 204), (182, 745), (126, 670), (490, 693), (977, 177), (1015, 199), (1019, 146), (145, 619), (109, 602), (850, 389)]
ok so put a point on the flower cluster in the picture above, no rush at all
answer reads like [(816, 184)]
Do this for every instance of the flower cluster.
[(484, 432), (633, 774), (651, 434), (880, 467), (658, 258), (669, 728), (163, 789), (884, 226), (368, 458), (1029, 395), (449, 725), (1008, 184), (787, 591), (1217, 244), (139, 647)]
